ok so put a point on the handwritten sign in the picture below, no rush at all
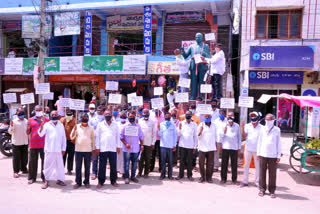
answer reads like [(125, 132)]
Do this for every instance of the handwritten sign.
[(227, 103), (130, 96), (27, 98), (131, 131), (158, 91), (114, 98), (48, 96), (182, 97), (43, 88), (206, 88), (185, 83), (204, 109), (76, 104), (10, 98), (137, 101), (112, 86), (210, 36), (157, 103), (64, 102), (246, 102), (197, 58)]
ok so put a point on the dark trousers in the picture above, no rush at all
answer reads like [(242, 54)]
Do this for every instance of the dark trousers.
[(145, 160), (194, 159), (86, 158), (186, 156), (269, 164), (175, 157), (166, 157), (217, 86), (19, 158), (33, 163), (155, 152), (206, 160), (233, 155), (95, 160), (70, 154), (103, 156), (196, 81)]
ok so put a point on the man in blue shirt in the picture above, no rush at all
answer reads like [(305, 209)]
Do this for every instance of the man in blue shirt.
[(168, 143)]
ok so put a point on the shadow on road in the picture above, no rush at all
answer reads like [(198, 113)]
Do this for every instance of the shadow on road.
[(291, 197)]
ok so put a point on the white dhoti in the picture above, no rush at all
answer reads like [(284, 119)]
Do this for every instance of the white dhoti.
[(120, 167), (53, 168)]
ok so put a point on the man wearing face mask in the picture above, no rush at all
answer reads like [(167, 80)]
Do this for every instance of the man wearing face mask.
[(207, 138), (58, 106), (176, 122), (55, 147), (231, 146), (123, 121), (69, 122), (194, 117), (168, 142), (215, 110), (251, 132), (187, 133), (18, 130), (107, 147), (269, 154), (115, 114), (220, 124), (130, 136), (92, 112), (171, 96), (149, 129), (157, 117), (140, 112), (36, 144)]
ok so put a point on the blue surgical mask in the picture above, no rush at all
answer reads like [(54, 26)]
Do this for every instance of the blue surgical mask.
[(115, 113), (21, 116), (192, 111), (221, 116), (207, 120)]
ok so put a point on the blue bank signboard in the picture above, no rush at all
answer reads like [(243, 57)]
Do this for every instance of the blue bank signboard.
[(276, 77), (281, 56)]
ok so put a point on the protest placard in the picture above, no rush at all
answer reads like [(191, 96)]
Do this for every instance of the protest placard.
[(129, 96), (158, 91), (182, 97), (137, 101), (157, 103), (114, 99), (27, 98), (197, 58), (48, 96), (246, 102), (10, 98), (184, 82), (264, 98), (204, 109), (206, 88), (64, 102), (131, 131), (43, 88), (227, 103), (210, 36), (76, 104), (112, 86)]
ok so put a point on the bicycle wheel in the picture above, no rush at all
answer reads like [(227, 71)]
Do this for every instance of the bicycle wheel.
[(295, 161)]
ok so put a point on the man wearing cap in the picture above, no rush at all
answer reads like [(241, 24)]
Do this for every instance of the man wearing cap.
[(217, 68), (220, 124), (170, 97), (251, 132), (269, 154)]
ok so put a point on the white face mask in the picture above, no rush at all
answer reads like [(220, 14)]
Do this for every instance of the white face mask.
[(101, 117), (92, 111), (269, 124), (39, 113), (123, 120)]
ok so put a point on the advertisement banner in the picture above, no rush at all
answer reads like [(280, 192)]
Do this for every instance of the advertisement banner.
[(282, 56), (134, 64), (163, 68), (185, 17), (28, 65), (67, 23), (87, 33), (131, 22), (13, 66), (71, 65), (147, 30), (31, 26), (1, 66), (52, 65), (103, 65), (276, 77), (285, 110)]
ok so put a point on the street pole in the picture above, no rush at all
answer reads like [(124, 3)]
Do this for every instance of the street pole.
[(42, 48)]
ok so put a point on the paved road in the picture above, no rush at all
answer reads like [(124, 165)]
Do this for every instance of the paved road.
[(155, 196)]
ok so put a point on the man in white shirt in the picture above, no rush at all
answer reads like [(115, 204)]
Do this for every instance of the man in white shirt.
[(183, 67), (187, 144), (54, 149), (269, 154), (231, 146), (251, 132), (18, 130), (107, 146), (215, 110), (217, 69), (170, 97), (122, 123), (220, 125), (149, 131), (207, 138)]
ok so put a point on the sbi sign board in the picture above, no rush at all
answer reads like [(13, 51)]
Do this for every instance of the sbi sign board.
[(281, 56)]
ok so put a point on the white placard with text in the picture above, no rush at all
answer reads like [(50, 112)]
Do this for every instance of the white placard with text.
[(114, 99), (182, 97), (204, 109), (205, 88), (137, 101), (131, 131), (184, 82), (27, 98), (158, 91), (10, 98), (157, 103), (130, 96), (64, 102), (246, 102), (43, 88), (227, 103), (112, 86), (48, 96)]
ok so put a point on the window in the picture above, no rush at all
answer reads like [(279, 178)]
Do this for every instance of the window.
[(283, 24)]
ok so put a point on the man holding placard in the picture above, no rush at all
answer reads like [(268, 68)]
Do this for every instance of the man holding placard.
[(170, 97), (183, 67), (130, 136)]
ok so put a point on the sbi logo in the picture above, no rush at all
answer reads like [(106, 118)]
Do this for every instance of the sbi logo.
[(256, 56), (263, 56), (252, 75)]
